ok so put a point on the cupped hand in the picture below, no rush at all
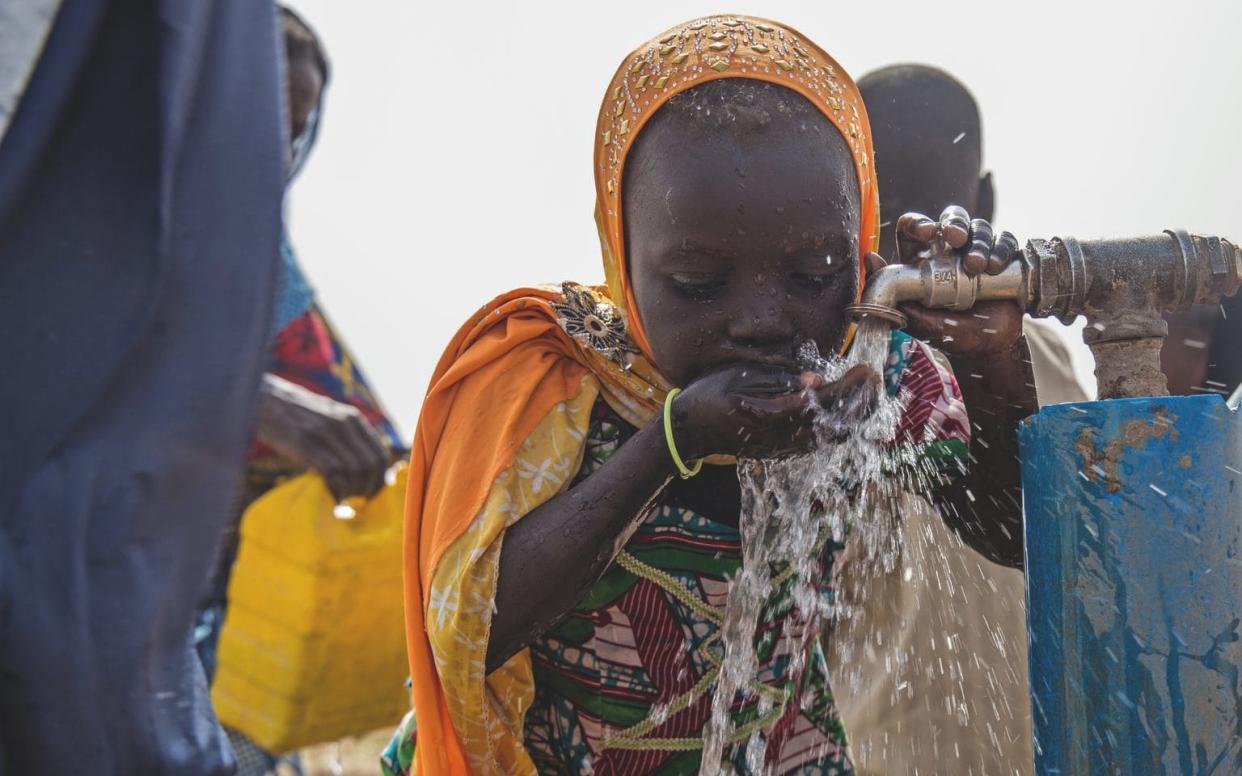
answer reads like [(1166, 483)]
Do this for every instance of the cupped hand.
[(760, 411)]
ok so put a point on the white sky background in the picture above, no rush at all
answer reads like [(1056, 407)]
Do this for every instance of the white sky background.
[(454, 159)]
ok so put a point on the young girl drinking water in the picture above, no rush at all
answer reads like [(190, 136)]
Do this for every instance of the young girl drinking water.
[(572, 519)]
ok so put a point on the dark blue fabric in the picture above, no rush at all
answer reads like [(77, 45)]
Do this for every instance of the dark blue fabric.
[(252, 759), (140, 194)]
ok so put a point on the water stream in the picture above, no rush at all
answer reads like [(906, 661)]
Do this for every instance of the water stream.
[(787, 506)]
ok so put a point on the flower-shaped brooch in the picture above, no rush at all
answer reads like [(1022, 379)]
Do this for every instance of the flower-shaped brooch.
[(594, 323)]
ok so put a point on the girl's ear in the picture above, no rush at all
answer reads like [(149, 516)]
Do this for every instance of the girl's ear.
[(987, 198)]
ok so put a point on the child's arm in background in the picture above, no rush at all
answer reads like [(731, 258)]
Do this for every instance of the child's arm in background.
[(991, 361), (984, 506)]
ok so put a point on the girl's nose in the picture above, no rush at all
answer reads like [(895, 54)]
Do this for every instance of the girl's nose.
[(763, 321)]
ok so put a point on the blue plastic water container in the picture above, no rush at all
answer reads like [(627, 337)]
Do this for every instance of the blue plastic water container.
[(1134, 586)]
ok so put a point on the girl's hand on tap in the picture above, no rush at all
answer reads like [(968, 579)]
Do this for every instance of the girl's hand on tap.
[(988, 328)]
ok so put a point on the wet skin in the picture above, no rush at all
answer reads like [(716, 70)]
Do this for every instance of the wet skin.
[(728, 241), (740, 250)]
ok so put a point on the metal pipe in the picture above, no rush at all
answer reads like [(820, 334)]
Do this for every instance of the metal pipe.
[(1122, 286)]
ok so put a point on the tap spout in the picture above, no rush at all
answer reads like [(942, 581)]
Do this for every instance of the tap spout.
[(892, 284), (937, 283)]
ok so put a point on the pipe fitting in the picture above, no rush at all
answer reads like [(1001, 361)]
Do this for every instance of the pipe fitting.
[(1066, 277), (1122, 286)]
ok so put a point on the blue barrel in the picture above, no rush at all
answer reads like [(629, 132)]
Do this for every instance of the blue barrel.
[(1134, 586)]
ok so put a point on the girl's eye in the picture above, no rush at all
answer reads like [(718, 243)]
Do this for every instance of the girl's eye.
[(818, 273), (697, 287), (814, 280)]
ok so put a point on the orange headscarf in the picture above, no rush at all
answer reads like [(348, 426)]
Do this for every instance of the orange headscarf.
[(513, 362), (704, 50)]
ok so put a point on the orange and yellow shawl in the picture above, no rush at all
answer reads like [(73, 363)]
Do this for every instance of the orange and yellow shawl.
[(501, 426)]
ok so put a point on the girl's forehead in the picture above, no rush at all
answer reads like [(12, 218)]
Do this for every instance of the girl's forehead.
[(741, 136), (798, 190)]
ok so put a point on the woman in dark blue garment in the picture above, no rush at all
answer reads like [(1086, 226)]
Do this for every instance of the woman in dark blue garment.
[(140, 190)]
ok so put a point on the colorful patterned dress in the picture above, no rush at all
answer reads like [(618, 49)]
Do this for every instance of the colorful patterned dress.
[(623, 684)]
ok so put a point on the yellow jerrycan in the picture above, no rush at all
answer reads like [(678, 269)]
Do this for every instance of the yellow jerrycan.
[(313, 643)]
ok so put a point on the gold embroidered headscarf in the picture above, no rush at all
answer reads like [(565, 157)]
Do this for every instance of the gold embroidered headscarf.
[(705, 50), (516, 366)]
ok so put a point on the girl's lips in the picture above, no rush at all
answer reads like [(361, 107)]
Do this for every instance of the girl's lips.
[(780, 362), (796, 380)]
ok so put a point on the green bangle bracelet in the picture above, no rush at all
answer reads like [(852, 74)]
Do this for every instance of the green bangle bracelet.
[(686, 471)]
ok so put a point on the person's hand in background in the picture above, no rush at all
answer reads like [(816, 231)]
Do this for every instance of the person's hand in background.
[(333, 438)]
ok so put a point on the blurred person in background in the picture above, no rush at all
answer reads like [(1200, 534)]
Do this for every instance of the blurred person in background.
[(928, 144), (316, 409), (141, 168)]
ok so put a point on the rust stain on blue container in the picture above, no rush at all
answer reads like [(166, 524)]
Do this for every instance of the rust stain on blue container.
[(1134, 586)]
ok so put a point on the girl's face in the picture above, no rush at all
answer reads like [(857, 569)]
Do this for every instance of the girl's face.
[(741, 246)]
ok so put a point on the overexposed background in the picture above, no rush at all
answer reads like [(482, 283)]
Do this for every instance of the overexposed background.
[(454, 159)]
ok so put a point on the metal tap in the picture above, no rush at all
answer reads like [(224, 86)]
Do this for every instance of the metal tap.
[(1122, 286)]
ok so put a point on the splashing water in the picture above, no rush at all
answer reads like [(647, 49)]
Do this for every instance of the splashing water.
[(788, 506)]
